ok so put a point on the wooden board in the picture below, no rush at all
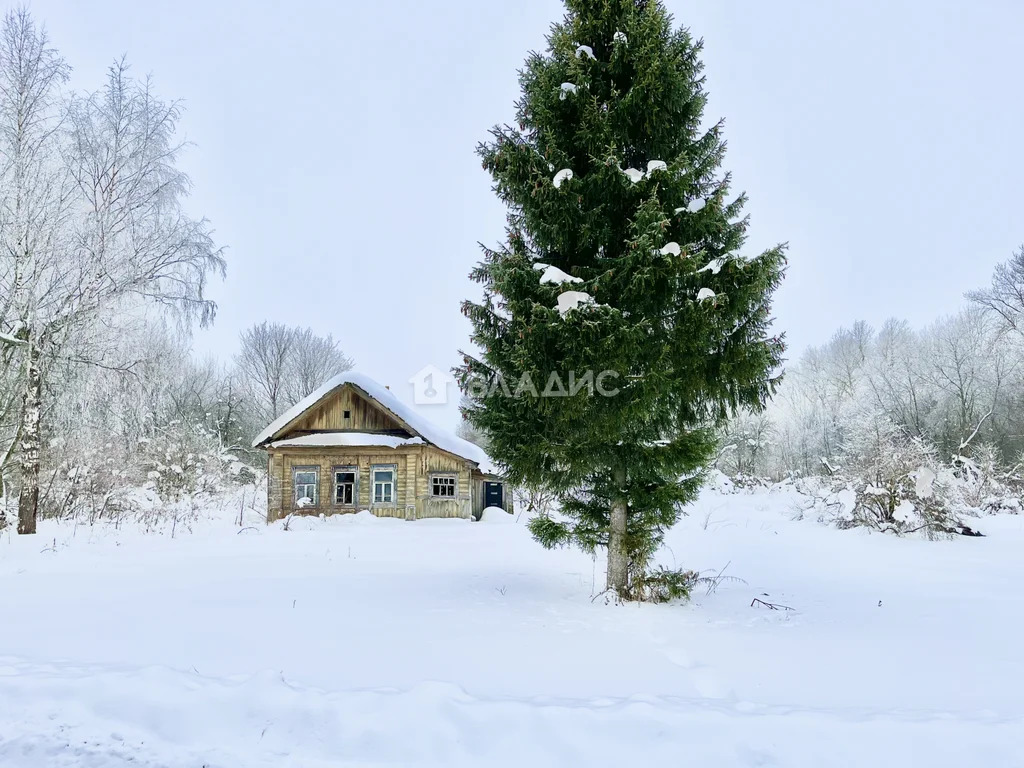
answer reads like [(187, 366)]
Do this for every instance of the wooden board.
[(329, 416), (413, 464)]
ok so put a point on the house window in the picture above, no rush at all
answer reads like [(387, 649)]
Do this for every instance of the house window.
[(345, 493), (306, 486), (348, 414), (382, 477), (443, 486)]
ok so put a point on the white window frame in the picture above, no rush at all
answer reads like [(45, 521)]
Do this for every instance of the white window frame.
[(393, 469), (454, 485), (296, 471), (349, 469)]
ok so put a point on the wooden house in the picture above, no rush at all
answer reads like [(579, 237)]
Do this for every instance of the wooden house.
[(352, 445)]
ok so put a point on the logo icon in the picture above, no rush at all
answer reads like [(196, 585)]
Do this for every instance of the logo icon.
[(430, 385)]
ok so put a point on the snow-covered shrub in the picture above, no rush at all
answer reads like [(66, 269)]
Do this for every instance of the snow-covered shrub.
[(1006, 505), (738, 483), (824, 499), (899, 504), (169, 473), (720, 481), (897, 482), (984, 485), (187, 459), (751, 483)]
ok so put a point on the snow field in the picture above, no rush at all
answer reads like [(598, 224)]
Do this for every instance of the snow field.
[(362, 641)]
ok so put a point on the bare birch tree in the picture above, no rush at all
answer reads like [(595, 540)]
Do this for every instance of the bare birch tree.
[(1004, 298), (281, 365), (314, 360), (263, 356), (35, 205), (92, 195)]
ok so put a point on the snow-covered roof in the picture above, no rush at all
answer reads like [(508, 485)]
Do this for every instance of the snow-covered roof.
[(333, 439), (421, 426)]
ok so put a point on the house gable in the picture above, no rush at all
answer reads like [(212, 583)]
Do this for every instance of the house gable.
[(364, 415)]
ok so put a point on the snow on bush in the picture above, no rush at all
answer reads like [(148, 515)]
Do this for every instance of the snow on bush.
[(534, 500), (737, 482), (884, 478), (984, 485), (891, 482), (169, 478)]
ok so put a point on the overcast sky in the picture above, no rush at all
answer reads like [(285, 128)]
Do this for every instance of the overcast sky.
[(334, 150)]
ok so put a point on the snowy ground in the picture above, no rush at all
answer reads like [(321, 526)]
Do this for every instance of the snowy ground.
[(377, 642)]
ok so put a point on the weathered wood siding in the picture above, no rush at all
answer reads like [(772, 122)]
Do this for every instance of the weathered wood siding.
[(432, 460), (364, 416), (276, 491), (414, 466)]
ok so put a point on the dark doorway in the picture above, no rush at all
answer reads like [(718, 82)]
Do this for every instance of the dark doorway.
[(494, 495)]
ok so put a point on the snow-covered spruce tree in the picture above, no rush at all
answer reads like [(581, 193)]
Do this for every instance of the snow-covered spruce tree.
[(611, 180)]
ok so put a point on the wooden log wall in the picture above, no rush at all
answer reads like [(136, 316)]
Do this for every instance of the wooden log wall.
[(414, 466)]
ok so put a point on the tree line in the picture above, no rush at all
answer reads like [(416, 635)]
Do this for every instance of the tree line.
[(956, 385)]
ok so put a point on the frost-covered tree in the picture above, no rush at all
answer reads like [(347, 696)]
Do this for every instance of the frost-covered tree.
[(746, 443), (263, 362), (279, 365), (314, 359), (147, 422), (92, 223), (1004, 298), (967, 370), (35, 204), (465, 429), (956, 385), (622, 258)]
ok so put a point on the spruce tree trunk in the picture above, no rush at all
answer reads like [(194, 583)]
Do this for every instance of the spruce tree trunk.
[(618, 557), (28, 500)]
